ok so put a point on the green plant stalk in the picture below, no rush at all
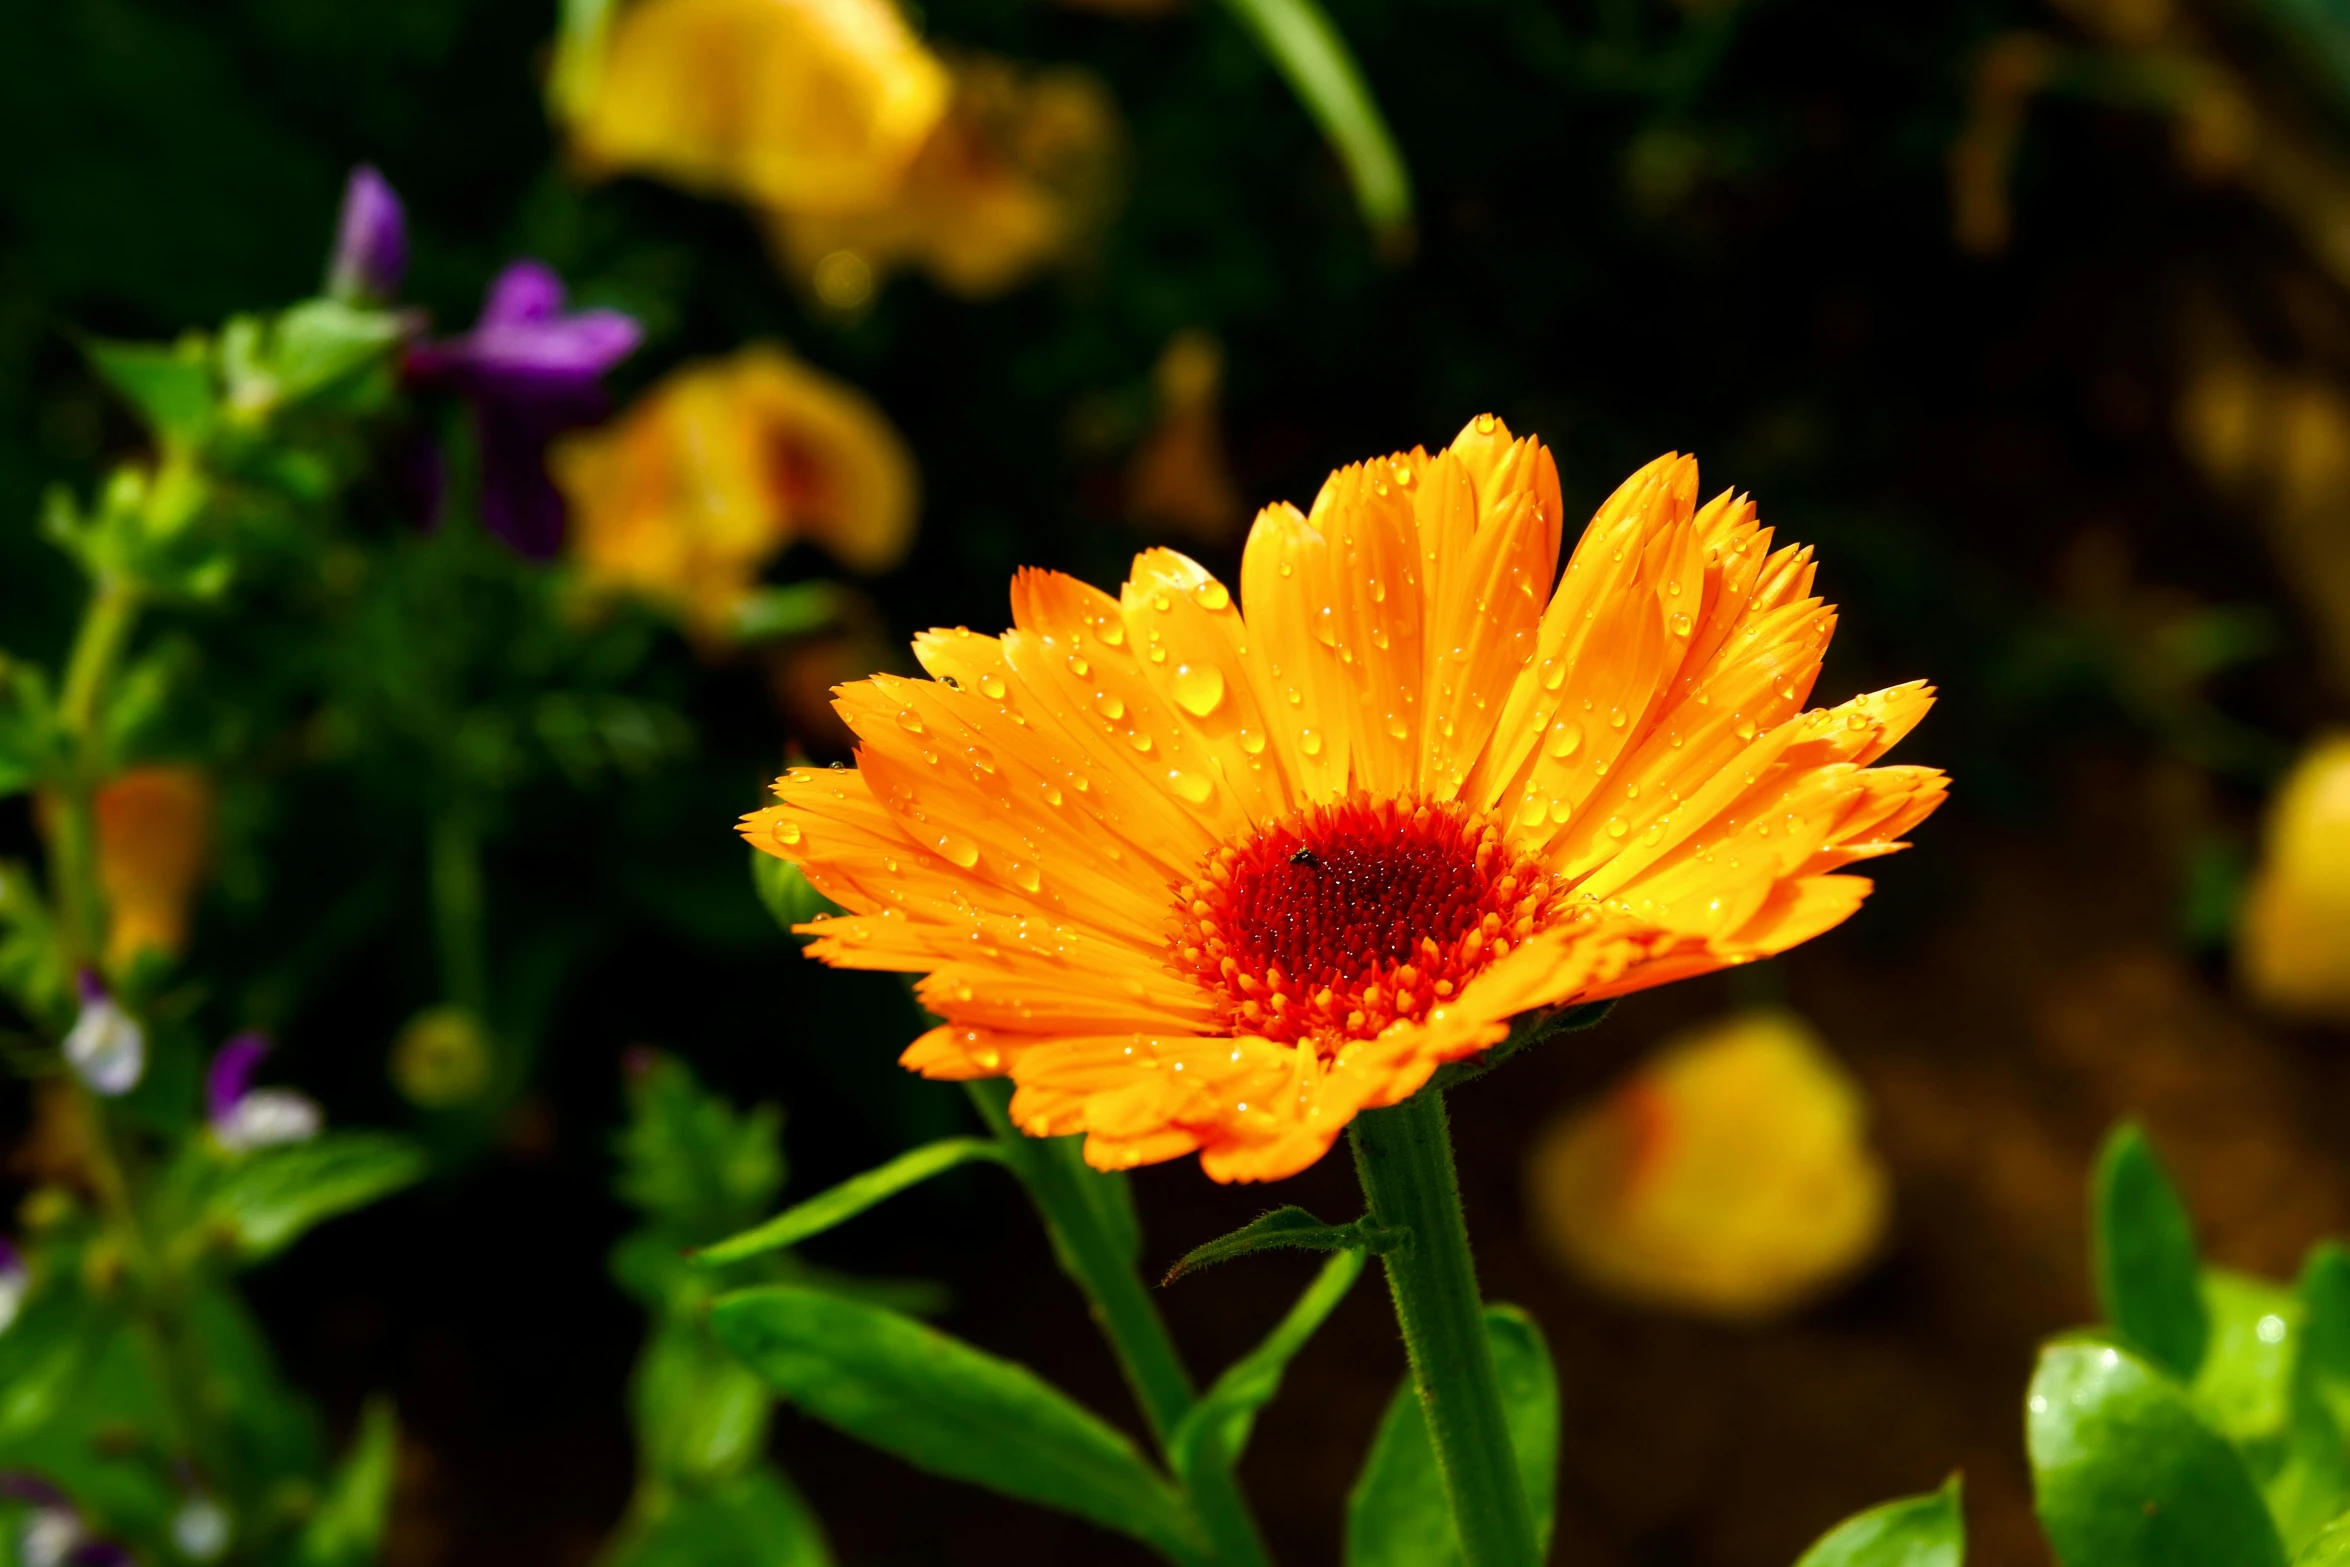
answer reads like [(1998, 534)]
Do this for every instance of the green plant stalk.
[(1403, 1156), (458, 910), (1306, 47), (97, 648), (1122, 1305)]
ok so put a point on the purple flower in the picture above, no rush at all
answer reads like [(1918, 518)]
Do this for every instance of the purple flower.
[(371, 242), (531, 371), (244, 1117)]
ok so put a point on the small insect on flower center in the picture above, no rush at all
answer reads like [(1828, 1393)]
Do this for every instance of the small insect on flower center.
[(1337, 922)]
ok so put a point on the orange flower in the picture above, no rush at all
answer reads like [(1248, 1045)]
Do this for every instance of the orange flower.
[(1203, 883), (154, 839), (684, 498)]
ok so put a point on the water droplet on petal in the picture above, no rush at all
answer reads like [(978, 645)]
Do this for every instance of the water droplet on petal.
[(1109, 706), (1211, 596), (1559, 810), (1112, 633), (983, 759), (1565, 740), (1078, 666), (1615, 718), (1194, 787), (992, 686), (1025, 877), (909, 720), (1397, 729), (962, 851), (1052, 794), (1162, 603), (1252, 742), (1199, 688), (1139, 740), (1617, 827), (786, 832), (1555, 676), (1310, 741)]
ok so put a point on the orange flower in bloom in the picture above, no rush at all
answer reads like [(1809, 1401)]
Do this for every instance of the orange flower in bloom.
[(684, 498), (154, 838), (1200, 882)]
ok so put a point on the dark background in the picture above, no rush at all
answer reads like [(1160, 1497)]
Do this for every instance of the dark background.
[(1642, 228)]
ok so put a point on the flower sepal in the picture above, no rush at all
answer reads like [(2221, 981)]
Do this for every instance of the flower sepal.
[(1527, 1030), (1292, 1229)]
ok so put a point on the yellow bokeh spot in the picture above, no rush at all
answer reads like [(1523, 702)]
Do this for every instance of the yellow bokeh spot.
[(2293, 936), (1729, 1176), (441, 1059)]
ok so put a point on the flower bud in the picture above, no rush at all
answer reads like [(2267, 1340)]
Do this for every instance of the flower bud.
[(371, 242), (441, 1059), (106, 1047)]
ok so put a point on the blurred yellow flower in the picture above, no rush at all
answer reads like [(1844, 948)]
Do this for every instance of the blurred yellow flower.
[(1179, 479), (1012, 178), (2293, 938), (154, 842), (1728, 1176), (684, 498), (809, 104)]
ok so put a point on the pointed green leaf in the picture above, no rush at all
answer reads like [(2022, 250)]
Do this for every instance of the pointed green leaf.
[(1216, 1431), (689, 1161), (1283, 1229), (171, 387), (701, 1414), (944, 1406), (348, 1528), (264, 1200), (850, 1198), (785, 894), (1312, 56), (2147, 1276), (1397, 1516), (2124, 1473), (2325, 1351), (1917, 1531), (756, 1520)]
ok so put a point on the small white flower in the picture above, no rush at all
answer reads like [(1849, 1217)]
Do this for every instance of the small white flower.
[(50, 1534), (267, 1118), (200, 1529), (107, 1048)]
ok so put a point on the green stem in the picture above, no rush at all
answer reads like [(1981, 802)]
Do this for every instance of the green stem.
[(1403, 1156), (1096, 1248), (97, 649), (457, 906)]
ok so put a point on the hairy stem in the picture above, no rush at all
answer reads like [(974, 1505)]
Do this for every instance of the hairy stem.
[(1086, 1234), (1403, 1156)]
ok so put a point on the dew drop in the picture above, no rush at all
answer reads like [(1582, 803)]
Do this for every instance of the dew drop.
[(1109, 706), (1026, 878), (1485, 424), (1078, 666), (1680, 623), (1052, 794), (1309, 740), (1287, 569), (1252, 742), (1397, 729), (1212, 596), (1617, 827), (1615, 718), (1744, 728), (1162, 603), (959, 849), (1534, 813), (1566, 740), (1139, 740), (787, 833), (1199, 688), (909, 720), (1158, 655), (983, 759), (1555, 676), (1112, 633), (992, 686), (1857, 721), (1559, 811), (1194, 787)]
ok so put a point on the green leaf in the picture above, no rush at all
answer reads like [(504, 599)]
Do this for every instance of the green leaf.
[(2148, 1279), (1288, 1229), (2126, 1475), (796, 609), (786, 895), (2325, 1349), (850, 1198), (1917, 1531), (1216, 1431), (1397, 1516), (32, 747), (322, 345), (1312, 56), (689, 1160), (701, 1414), (2257, 1388), (944, 1406), (43, 1355), (755, 1520), (266, 1199), (171, 388), (348, 1528), (2329, 1548)]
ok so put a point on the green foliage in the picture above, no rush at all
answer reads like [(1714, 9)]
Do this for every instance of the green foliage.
[(1216, 1431), (697, 1168), (2144, 1247), (2126, 1475), (1916, 1531), (262, 1202), (944, 1406), (348, 1527), (1397, 1516), (851, 1197), (1289, 1229), (753, 1520), (785, 894)]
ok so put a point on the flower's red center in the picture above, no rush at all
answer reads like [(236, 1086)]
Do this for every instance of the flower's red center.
[(1333, 924)]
